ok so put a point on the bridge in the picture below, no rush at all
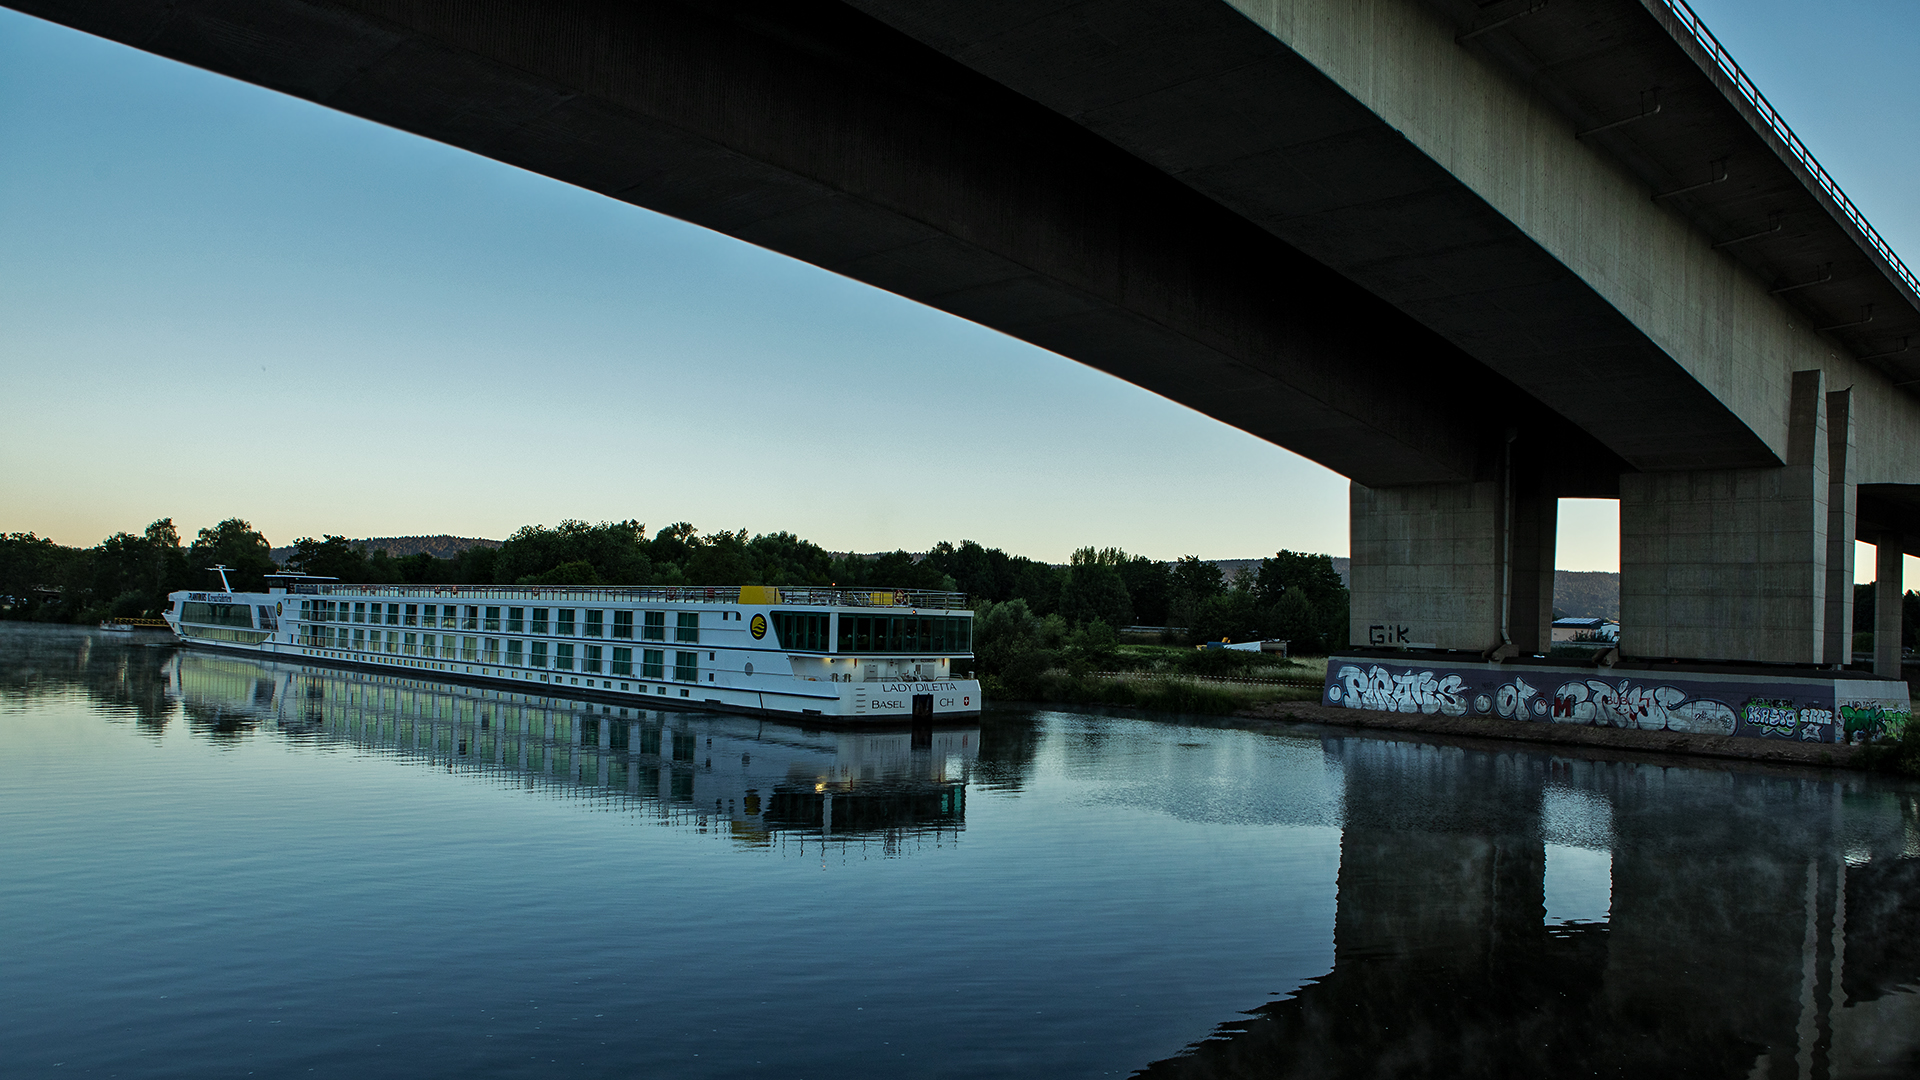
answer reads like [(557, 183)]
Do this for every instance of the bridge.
[(1476, 256)]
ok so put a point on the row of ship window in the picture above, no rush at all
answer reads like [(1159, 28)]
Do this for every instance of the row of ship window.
[(812, 631), (564, 622), (560, 656)]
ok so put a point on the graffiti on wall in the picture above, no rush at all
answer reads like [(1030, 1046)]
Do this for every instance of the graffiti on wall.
[(1409, 692), (1546, 695), (1657, 707), (1863, 720)]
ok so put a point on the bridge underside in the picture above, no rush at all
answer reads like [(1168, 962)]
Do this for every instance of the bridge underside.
[(1165, 190), (817, 131)]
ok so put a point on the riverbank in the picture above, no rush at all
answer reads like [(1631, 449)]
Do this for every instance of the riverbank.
[(1725, 747)]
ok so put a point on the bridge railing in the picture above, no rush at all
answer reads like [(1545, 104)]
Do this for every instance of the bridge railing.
[(924, 599), (1703, 37)]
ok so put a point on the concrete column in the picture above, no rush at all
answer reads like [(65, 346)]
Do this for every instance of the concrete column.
[(1842, 507), (1888, 606), (1456, 566), (1731, 564), (1536, 533)]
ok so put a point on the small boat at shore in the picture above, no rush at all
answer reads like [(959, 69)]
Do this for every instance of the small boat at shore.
[(128, 626)]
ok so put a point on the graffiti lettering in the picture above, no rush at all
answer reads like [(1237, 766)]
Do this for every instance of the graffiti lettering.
[(1650, 708), (1410, 692), (1379, 634), (1516, 701), (1866, 720), (1770, 716), (1816, 725)]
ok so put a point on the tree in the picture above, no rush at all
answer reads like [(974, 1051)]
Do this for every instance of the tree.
[(984, 574), (673, 545), (1304, 599), (29, 566), (239, 546), (1013, 647), (1233, 614), (616, 550), (1191, 583), (170, 568), (721, 559), (421, 568), (1293, 570), (1093, 589), (1292, 619), (1093, 647), (578, 572), (330, 556), (893, 570), (1195, 579), (1149, 583), (1037, 583), (784, 559), (121, 577)]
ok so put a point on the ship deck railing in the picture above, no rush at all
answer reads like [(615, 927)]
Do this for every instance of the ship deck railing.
[(782, 595)]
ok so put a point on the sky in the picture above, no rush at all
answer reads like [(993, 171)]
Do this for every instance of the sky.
[(218, 301)]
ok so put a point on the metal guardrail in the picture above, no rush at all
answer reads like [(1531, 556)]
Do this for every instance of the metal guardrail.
[(1703, 37), (922, 599)]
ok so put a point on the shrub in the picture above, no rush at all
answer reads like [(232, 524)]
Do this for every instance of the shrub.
[(1901, 755)]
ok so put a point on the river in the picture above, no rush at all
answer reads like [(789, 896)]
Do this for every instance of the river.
[(219, 867)]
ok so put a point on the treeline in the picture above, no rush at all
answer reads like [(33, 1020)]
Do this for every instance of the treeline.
[(126, 574), (1291, 595)]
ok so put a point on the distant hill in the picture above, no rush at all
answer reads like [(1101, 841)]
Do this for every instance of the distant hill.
[(1233, 568), (440, 547), (1586, 594)]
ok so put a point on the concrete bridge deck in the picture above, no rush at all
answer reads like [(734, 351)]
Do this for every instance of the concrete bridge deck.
[(1475, 256)]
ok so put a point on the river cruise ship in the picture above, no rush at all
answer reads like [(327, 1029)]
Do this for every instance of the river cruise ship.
[(856, 655)]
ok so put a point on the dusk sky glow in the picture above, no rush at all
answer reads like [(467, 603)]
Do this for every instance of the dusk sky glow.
[(219, 301)]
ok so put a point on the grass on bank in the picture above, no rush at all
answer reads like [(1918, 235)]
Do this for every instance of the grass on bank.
[(1019, 656), (1171, 694), (1164, 678)]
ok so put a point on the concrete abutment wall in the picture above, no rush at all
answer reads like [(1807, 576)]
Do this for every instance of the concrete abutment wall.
[(1455, 566), (1731, 564)]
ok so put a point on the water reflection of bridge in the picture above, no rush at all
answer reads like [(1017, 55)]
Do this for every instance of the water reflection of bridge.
[(755, 781), (1743, 941)]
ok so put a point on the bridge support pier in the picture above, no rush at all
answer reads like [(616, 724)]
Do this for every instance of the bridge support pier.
[(1455, 566), (1843, 512), (1889, 605), (1733, 564)]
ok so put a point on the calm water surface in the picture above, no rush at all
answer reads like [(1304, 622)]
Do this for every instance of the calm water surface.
[(215, 867)]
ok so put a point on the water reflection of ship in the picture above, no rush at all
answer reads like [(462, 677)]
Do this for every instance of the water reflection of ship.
[(756, 780), (1760, 926)]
